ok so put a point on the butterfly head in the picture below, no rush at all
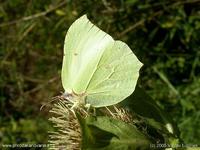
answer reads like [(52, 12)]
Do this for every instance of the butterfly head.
[(77, 100)]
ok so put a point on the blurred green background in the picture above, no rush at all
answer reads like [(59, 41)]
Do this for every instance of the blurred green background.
[(163, 34)]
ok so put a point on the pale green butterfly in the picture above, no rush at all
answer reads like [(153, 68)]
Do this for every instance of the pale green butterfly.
[(97, 70)]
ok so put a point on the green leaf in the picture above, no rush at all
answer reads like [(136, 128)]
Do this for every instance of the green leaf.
[(142, 104), (104, 133)]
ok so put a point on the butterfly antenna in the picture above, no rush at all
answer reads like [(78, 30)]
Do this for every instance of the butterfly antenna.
[(53, 99)]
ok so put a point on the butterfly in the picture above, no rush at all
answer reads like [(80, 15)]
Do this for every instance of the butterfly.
[(97, 70)]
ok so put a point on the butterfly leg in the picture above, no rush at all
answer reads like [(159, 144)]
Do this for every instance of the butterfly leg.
[(88, 106), (94, 112)]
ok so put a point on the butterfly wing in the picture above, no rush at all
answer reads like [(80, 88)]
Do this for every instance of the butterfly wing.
[(95, 64), (116, 76), (83, 49)]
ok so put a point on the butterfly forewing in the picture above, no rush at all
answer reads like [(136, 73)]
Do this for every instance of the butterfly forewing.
[(84, 46)]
